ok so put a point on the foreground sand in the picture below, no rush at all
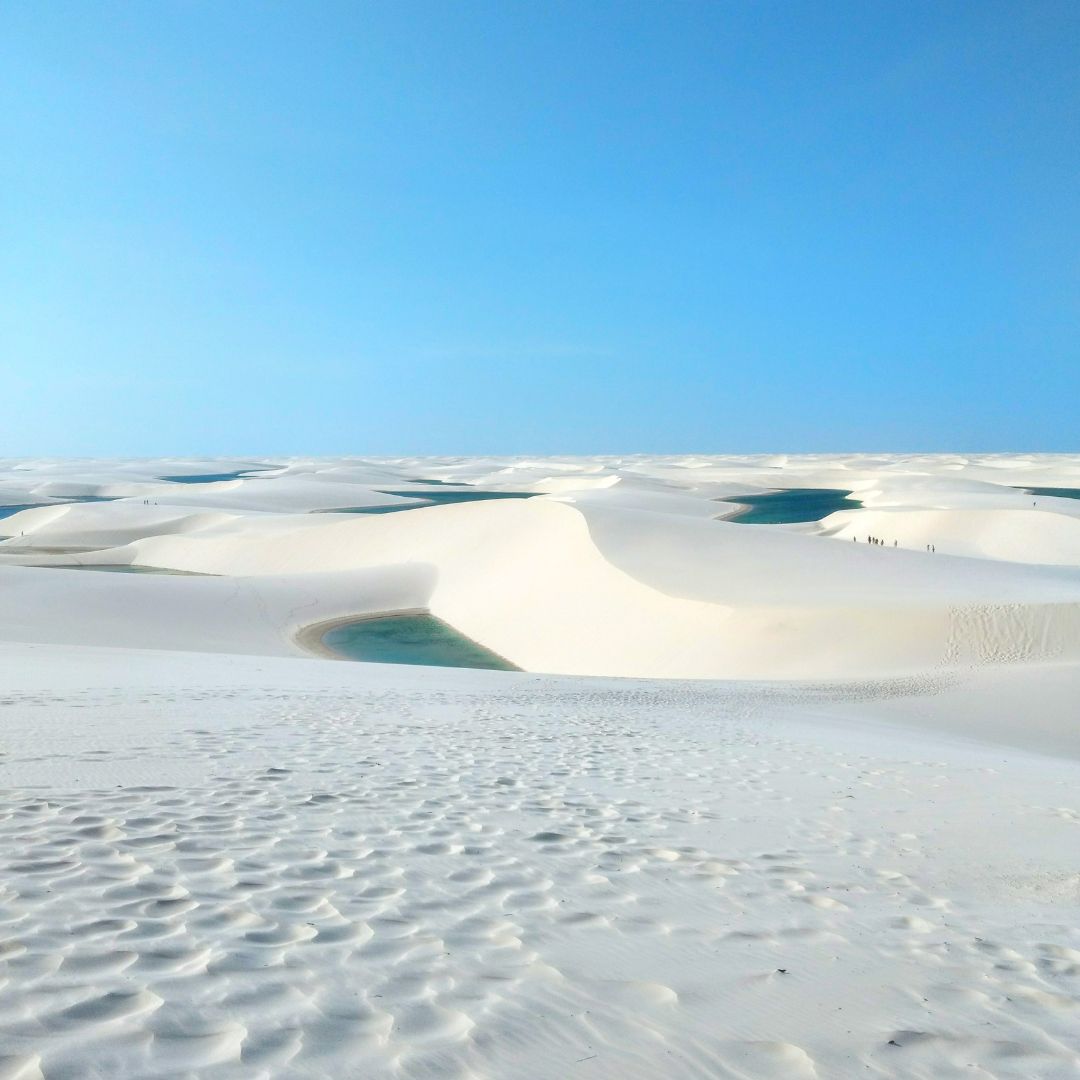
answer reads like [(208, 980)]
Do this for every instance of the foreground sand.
[(225, 866), (837, 836)]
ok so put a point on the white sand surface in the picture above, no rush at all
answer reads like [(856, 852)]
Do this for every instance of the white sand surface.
[(257, 867), (824, 824), (656, 594)]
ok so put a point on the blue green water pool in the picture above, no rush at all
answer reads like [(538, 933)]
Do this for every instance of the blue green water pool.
[(476, 495), (116, 568), (12, 509), (1055, 492), (411, 639), (210, 478), (18, 508), (791, 505), (430, 498)]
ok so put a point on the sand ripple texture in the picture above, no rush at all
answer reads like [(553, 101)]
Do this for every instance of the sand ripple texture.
[(395, 879)]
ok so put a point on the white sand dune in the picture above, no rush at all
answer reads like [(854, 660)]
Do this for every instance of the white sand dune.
[(1050, 535), (101, 525), (667, 595), (212, 614), (836, 838)]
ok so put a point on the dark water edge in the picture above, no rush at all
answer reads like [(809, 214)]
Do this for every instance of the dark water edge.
[(1054, 492), (123, 568), (411, 639), (210, 478), (791, 505), (393, 508), (18, 508), (430, 498), (475, 495)]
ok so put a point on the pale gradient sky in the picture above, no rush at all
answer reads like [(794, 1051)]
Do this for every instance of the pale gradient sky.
[(509, 227)]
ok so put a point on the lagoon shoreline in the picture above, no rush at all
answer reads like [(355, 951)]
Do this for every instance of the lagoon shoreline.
[(310, 637)]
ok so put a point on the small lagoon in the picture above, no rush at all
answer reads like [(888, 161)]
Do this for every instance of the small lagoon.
[(17, 508), (410, 639), (430, 498), (791, 505), (475, 495), (1054, 492), (125, 568), (210, 478)]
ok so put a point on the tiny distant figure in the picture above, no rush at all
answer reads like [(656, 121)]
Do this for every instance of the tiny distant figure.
[(933, 548), (869, 539), (894, 543)]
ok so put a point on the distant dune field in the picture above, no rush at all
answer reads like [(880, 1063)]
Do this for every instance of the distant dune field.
[(763, 800)]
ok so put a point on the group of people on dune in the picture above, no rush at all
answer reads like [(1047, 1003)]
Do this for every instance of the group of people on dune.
[(881, 543)]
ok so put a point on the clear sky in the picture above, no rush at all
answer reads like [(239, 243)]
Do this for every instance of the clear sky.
[(528, 227)]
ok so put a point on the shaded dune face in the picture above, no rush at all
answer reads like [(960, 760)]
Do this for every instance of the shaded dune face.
[(598, 567)]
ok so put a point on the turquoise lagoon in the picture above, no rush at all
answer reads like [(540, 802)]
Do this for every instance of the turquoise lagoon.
[(430, 498), (1055, 492), (410, 639), (791, 505)]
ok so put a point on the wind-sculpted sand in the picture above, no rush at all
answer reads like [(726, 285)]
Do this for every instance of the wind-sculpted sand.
[(221, 857), (614, 568), (253, 867)]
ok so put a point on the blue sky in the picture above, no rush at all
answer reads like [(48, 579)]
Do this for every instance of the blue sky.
[(512, 227)]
